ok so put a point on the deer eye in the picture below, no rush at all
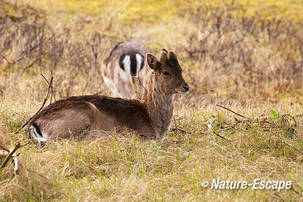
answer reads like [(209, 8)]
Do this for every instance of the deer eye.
[(166, 73)]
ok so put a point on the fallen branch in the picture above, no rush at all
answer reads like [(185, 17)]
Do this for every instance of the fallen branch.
[(11, 154), (179, 129), (232, 111), (220, 136), (31, 64), (5, 59), (44, 101), (293, 147), (276, 194), (293, 118), (2, 148), (48, 83), (176, 125), (241, 114), (292, 188)]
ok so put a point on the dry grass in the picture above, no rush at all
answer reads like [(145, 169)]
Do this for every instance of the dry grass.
[(250, 63)]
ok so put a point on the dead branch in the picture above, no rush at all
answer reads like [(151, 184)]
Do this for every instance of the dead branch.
[(292, 188), (276, 194), (247, 119), (5, 59), (232, 111), (11, 153), (31, 64), (220, 136), (44, 101), (293, 147), (4, 149), (177, 128), (52, 89), (293, 118)]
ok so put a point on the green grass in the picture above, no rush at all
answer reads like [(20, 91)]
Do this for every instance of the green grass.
[(125, 168), (153, 11)]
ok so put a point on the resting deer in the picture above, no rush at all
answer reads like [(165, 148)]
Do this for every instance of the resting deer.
[(83, 115), (123, 63)]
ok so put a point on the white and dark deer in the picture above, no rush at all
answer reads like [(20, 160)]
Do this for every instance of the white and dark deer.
[(122, 64), (83, 115)]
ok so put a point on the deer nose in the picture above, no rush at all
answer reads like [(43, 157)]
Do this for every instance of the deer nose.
[(186, 88)]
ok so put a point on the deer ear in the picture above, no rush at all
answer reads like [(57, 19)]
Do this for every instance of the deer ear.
[(172, 55), (163, 49), (163, 56), (152, 61)]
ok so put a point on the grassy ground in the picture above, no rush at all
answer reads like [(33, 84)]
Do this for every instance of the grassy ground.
[(245, 55)]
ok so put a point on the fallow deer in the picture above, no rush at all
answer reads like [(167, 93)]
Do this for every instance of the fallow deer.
[(123, 63), (84, 115)]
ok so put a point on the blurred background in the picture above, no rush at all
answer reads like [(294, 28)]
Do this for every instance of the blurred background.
[(248, 51)]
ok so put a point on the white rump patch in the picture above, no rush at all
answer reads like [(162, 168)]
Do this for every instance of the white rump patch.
[(126, 63), (139, 59), (125, 74)]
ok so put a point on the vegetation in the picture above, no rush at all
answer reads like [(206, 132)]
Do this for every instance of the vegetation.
[(246, 56)]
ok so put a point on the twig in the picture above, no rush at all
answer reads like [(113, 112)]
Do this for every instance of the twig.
[(48, 83), (31, 64), (4, 149), (44, 101), (5, 59), (10, 155), (45, 79), (292, 188), (220, 136), (232, 111), (177, 128), (293, 118), (279, 197), (293, 147)]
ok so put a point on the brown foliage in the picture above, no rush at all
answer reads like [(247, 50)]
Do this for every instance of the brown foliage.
[(249, 56)]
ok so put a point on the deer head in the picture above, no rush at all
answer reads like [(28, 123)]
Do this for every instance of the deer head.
[(168, 73)]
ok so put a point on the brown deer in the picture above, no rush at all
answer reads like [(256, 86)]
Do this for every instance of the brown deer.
[(82, 115), (122, 64)]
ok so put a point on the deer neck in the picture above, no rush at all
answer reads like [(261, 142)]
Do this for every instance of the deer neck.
[(159, 107)]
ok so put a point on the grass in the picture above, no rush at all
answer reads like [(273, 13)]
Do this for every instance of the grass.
[(123, 168), (131, 11), (258, 76)]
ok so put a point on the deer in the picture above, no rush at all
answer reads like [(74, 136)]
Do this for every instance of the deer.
[(123, 63), (81, 116)]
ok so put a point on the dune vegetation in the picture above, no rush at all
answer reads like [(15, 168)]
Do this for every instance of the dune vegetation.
[(242, 119)]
